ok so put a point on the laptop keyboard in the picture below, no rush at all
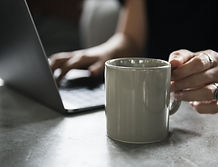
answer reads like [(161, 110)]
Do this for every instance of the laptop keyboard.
[(83, 98)]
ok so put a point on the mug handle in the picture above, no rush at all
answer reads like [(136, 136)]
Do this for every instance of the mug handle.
[(174, 106)]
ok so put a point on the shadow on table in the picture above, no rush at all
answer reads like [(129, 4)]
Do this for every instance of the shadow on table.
[(17, 110), (132, 152), (176, 136), (180, 136)]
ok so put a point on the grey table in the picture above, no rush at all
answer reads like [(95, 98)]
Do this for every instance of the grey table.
[(32, 135)]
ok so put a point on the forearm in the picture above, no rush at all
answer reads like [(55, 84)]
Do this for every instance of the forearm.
[(133, 22), (120, 45), (129, 40)]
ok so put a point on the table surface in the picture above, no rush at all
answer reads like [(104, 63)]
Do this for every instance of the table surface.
[(32, 135)]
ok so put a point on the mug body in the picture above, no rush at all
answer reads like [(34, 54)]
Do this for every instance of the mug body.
[(137, 99)]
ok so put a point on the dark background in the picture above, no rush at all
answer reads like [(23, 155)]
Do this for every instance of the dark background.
[(57, 23)]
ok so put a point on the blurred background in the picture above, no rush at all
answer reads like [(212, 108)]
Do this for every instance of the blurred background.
[(69, 25)]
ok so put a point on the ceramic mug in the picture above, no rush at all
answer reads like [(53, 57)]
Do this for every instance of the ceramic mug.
[(138, 101)]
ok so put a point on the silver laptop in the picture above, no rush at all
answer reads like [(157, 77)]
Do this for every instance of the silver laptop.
[(24, 65)]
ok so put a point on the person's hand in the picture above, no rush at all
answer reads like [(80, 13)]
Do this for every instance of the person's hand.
[(193, 78), (92, 59)]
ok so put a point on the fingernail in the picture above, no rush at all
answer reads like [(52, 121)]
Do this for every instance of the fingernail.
[(176, 62)]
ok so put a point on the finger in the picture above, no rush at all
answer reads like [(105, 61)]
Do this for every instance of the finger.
[(78, 61), (97, 68), (57, 60), (73, 63), (206, 107), (64, 70), (196, 81), (203, 94), (199, 63), (57, 64), (212, 56), (179, 57)]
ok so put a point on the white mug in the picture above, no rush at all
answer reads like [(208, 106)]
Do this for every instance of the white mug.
[(138, 99)]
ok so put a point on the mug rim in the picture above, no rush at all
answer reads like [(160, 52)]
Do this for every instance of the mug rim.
[(108, 64)]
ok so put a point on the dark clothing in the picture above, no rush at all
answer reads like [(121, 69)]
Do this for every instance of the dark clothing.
[(181, 24)]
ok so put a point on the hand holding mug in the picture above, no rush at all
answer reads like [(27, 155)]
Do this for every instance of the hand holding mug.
[(194, 77)]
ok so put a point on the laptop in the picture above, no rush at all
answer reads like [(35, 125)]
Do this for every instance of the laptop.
[(24, 66)]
